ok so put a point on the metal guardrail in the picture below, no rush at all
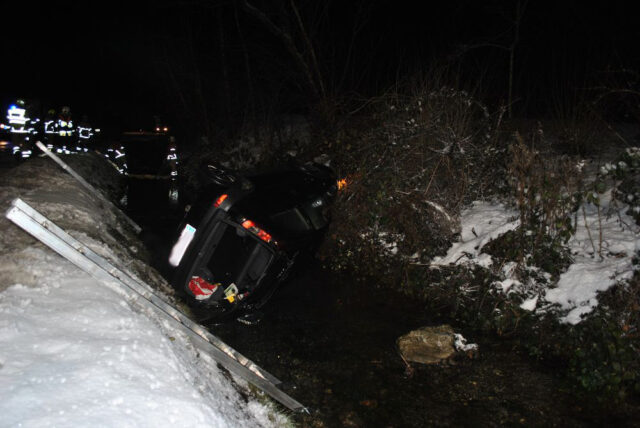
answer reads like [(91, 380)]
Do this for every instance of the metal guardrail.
[(88, 186), (83, 257)]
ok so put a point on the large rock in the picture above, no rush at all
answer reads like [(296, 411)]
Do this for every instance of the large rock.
[(428, 345)]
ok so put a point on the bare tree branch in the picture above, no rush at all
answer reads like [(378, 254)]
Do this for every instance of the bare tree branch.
[(312, 51), (287, 40)]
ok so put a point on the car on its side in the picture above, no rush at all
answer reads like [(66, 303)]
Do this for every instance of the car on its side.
[(244, 235)]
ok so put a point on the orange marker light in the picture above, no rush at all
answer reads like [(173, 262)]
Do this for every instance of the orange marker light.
[(342, 184), (220, 200)]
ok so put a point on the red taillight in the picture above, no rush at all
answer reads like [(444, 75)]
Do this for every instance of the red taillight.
[(220, 200), (264, 235), (251, 226)]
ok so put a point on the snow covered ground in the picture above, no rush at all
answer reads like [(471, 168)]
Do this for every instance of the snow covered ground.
[(75, 353), (481, 223), (575, 293), (590, 273)]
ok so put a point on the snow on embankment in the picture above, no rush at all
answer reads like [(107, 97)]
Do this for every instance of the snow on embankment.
[(594, 268), (75, 353), (481, 223)]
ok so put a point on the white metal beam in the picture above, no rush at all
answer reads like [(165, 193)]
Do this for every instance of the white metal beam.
[(96, 266), (86, 184)]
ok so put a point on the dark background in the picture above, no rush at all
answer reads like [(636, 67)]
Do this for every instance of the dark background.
[(204, 65)]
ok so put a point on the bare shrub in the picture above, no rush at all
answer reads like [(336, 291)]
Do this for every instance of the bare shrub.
[(417, 157), (546, 191), (576, 127), (617, 96)]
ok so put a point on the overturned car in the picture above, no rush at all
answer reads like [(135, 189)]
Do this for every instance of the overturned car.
[(245, 234)]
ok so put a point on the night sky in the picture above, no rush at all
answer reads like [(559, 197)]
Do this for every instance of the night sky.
[(122, 63)]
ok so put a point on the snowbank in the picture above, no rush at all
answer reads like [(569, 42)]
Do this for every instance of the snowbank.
[(75, 353)]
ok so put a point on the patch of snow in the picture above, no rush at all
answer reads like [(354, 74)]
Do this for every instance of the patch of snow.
[(597, 264), (506, 284), (577, 288), (508, 269), (441, 210), (530, 304), (460, 343), (388, 242), (481, 223)]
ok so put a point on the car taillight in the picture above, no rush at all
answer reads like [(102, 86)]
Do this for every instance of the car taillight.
[(251, 226), (220, 200)]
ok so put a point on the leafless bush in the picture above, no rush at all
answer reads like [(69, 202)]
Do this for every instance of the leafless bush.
[(617, 96), (575, 126), (417, 158), (546, 191)]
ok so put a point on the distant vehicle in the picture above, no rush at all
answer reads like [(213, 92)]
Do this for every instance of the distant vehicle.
[(245, 234), (149, 160)]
